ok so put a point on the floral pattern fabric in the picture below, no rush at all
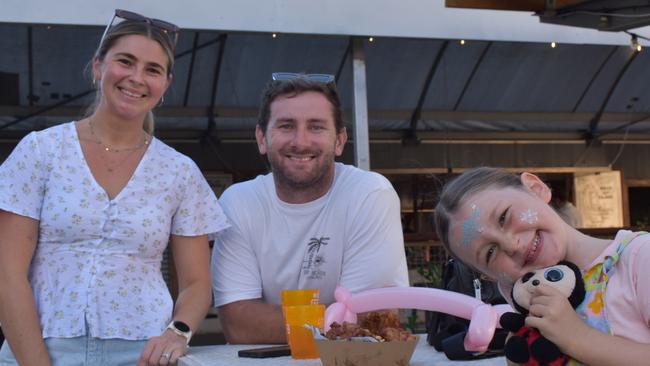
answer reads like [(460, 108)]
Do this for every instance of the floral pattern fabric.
[(98, 260), (592, 309)]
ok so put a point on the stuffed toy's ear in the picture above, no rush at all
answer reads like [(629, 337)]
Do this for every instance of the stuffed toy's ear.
[(516, 349), (515, 299), (544, 351), (512, 321), (579, 292)]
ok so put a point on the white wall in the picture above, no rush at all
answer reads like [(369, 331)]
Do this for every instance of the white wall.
[(395, 18)]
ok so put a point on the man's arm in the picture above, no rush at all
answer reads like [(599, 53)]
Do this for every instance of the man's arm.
[(374, 256), (237, 282), (252, 321)]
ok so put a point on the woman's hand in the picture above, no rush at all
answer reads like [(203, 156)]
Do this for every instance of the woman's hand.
[(192, 260), (163, 350)]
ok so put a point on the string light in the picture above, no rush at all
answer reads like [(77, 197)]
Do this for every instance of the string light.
[(274, 35), (462, 42), (634, 43), (371, 39), (553, 44)]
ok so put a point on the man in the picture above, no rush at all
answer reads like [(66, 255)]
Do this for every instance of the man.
[(310, 223)]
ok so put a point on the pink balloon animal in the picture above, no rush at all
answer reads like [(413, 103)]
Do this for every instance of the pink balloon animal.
[(483, 317)]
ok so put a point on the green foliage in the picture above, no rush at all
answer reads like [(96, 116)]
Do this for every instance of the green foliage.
[(412, 321), (642, 224), (432, 273)]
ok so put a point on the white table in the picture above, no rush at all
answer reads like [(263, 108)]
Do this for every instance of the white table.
[(226, 355)]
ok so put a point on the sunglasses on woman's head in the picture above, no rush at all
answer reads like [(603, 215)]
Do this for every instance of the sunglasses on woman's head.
[(319, 78), (168, 28)]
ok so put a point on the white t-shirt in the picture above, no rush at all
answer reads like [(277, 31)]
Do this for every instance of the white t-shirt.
[(97, 260), (351, 236)]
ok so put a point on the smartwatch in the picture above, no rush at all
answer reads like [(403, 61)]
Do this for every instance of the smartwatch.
[(181, 329)]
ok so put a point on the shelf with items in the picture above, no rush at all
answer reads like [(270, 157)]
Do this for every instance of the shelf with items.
[(417, 194), (423, 210), (424, 253), (422, 238)]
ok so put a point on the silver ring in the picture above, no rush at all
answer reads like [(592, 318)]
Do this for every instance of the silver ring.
[(165, 355)]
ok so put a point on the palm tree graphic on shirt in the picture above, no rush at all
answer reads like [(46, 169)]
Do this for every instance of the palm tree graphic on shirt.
[(315, 243), (313, 247)]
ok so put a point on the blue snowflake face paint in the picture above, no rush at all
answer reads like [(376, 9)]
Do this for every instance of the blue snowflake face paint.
[(528, 216), (472, 226)]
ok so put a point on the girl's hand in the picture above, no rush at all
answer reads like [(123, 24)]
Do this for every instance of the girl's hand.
[(163, 350), (552, 314)]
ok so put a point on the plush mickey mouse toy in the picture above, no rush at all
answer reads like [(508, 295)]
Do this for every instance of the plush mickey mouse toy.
[(527, 346)]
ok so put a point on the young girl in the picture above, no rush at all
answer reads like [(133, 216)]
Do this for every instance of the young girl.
[(87, 209), (501, 224)]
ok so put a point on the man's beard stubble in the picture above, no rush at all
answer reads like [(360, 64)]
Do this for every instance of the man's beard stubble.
[(316, 181)]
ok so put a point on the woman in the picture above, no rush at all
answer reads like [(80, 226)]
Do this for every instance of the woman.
[(87, 209), (502, 225)]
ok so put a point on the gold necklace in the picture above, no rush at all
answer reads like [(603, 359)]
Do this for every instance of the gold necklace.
[(98, 140), (114, 167), (131, 150)]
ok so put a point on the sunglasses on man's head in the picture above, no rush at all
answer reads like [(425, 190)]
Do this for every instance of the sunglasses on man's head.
[(319, 78), (168, 28)]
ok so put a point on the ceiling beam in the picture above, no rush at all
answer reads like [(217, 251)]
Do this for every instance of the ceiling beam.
[(393, 137), (388, 114), (37, 111), (478, 63), (348, 50), (593, 124), (190, 69), (594, 77), (625, 127), (215, 83), (411, 135), (604, 15), (522, 5), (530, 169), (31, 98)]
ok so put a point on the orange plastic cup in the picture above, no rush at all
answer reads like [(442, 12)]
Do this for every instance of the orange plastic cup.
[(301, 340), (308, 296)]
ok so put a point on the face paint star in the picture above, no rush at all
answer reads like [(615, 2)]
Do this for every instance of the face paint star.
[(471, 226), (529, 216)]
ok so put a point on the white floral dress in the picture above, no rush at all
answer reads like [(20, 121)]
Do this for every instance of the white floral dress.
[(97, 261)]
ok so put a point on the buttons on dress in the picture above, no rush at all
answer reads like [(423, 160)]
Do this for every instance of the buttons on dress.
[(112, 215)]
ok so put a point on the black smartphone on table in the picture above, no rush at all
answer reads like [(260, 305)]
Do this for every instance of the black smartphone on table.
[(266, 352)]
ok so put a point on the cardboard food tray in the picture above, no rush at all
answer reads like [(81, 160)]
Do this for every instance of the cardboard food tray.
[(348, 353)]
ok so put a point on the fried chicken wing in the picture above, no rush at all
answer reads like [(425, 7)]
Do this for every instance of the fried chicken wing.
[(381, 325)]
